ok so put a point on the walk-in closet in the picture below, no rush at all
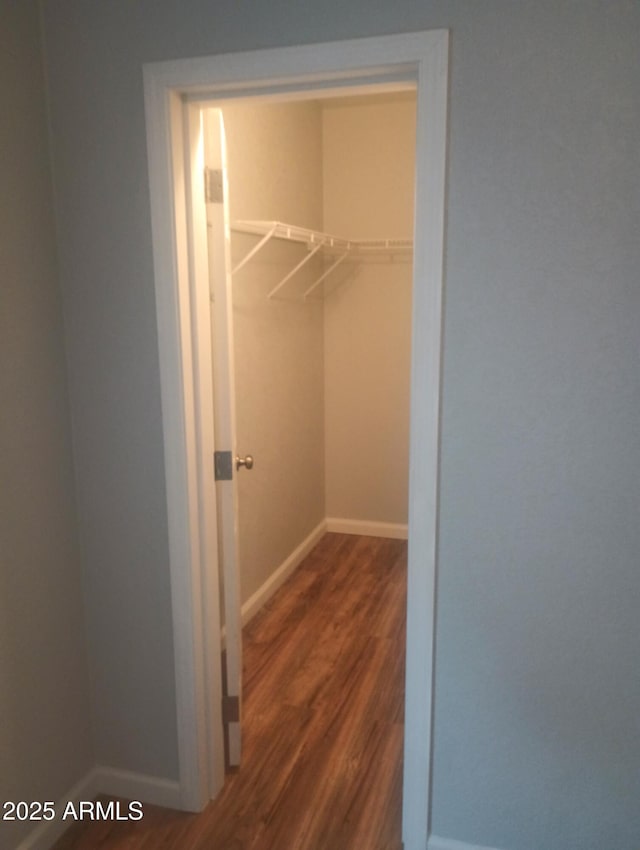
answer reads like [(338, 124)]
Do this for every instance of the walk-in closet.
[(310, 225), (321, 212), (316, 203)]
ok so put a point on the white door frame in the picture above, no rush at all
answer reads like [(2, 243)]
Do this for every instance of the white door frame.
[(422, 58)]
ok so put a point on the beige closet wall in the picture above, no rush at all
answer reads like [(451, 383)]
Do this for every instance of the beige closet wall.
[(322, 386), (275, 172), (369, 151)]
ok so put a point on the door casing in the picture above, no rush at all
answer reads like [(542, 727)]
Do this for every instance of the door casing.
[(173, 90)]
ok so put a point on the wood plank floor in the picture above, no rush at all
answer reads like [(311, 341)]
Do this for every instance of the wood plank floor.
[(323, 719)]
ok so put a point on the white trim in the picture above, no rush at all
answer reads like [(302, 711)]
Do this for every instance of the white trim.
[(436, 843), (281, 573), (370, 528), (163, 109), (356, 62), (103, 780), (47, 833), (293, 561), (421, 57), (428, 276), (137, 786)]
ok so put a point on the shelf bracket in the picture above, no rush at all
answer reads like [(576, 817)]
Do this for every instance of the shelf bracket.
[(297, 268), (326, 274), (255, 249)]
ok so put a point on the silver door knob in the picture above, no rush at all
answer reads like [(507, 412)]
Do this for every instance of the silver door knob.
[(247, 462)]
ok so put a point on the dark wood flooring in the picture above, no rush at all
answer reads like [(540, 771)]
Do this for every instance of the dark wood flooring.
[(322, 724)]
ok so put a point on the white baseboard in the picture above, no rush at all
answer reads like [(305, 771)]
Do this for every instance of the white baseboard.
[(48, 832), (281, 573), (103, 780), (370, 528), (166, 792), (138, 786), (436, 843)]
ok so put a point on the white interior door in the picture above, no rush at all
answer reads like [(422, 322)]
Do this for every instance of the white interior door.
[(226, 466)]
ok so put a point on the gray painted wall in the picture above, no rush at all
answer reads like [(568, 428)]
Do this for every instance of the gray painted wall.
[(45, 742), (537, 737)]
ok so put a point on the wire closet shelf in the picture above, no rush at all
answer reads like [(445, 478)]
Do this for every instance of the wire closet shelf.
[(316, 241)]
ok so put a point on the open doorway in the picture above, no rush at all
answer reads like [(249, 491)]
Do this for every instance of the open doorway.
[(170, 90), (322, 363), (322, 343)]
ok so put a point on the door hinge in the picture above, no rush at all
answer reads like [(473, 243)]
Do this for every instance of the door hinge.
[(222, 466), (213, 186), (230, 709)]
